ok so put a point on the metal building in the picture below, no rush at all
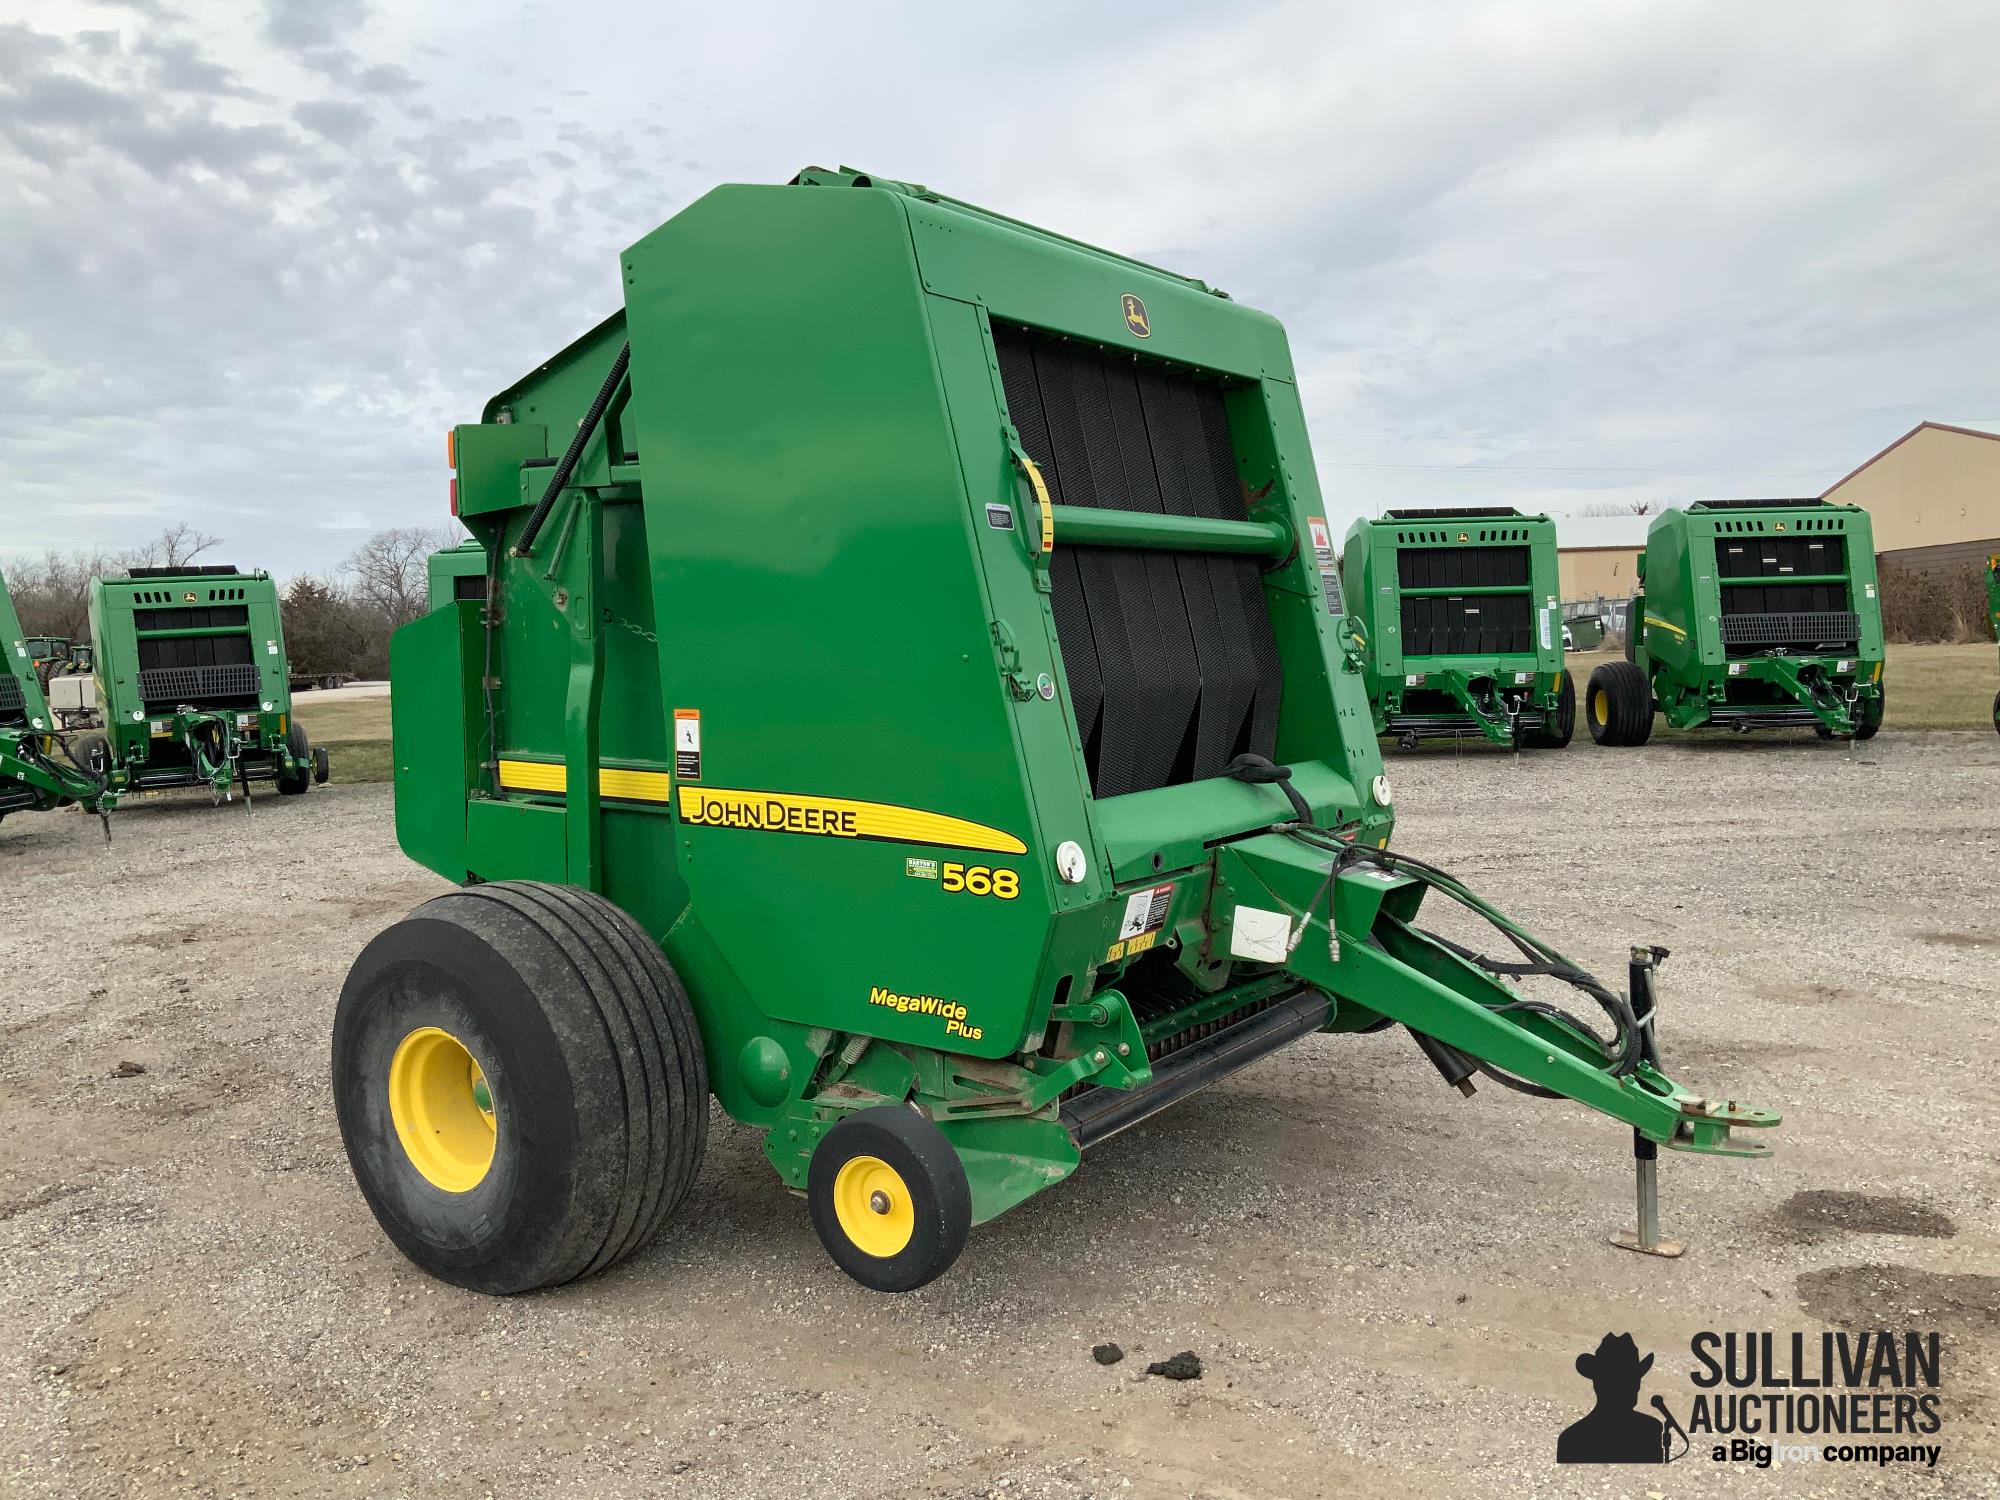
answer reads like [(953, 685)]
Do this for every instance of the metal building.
[(1933, 496), (1597, 560)]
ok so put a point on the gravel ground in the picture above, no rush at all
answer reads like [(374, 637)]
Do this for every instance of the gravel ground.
[(1387, 1285)]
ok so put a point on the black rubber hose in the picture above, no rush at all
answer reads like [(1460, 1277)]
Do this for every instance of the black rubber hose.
[(1260, 771), (524, 544)]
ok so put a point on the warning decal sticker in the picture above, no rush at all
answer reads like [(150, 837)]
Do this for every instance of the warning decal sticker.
[(1329, 570), (687, 744), (1145, 911)]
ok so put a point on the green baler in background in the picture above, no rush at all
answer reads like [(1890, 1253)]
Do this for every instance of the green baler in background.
[(1461, 626), (1752, 614), (1993, 616), (38, 769), (457, 572), (905, 709), (193, 684)]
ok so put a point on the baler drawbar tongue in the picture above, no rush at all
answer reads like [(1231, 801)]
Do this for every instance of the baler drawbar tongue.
[(1343, 919)]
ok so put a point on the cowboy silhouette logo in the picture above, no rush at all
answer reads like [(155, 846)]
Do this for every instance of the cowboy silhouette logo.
[(1614, 1431)]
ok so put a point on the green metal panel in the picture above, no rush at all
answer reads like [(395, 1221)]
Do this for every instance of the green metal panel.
[(445, 568), (1698, 679), (21, 664)]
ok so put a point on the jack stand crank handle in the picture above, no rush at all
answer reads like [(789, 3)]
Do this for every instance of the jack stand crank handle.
[(1644, 1002), (1647, 1241)]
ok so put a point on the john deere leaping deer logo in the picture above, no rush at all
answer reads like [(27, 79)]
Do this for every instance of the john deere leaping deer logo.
[(1135, 316)]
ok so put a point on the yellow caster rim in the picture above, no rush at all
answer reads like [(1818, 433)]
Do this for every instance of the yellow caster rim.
[(1600, 708), (442, 1108), (873, 1205)]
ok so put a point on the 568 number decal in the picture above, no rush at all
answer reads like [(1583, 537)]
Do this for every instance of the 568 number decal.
[(980, 880)]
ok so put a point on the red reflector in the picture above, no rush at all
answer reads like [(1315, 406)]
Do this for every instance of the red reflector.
[(454, 495)]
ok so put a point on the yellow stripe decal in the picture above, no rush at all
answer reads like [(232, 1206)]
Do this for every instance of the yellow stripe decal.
[(1664, 625), (553, 776), (838, 817)]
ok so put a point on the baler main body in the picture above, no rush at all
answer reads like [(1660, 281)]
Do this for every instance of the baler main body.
[(1760, 614), (1462, 626), (193, 683), (36, 773), (895, 650)]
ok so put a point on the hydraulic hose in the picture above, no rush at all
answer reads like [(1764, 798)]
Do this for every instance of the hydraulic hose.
[(525, 542), (1624, 1050)]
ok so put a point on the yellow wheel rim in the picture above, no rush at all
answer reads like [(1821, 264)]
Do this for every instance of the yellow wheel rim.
[(1600, 708), (442, 1109), (873, 1205)]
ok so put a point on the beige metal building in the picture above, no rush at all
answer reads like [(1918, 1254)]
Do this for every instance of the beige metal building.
[(1597, 557), (1933, 496)]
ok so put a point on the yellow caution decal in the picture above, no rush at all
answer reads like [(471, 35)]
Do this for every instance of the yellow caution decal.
[(838, 818), (612, 781)]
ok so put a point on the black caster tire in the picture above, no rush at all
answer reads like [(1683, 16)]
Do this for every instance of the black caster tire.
[(889, 1198)]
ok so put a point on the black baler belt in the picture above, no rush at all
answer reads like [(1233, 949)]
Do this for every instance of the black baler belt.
[(1171, 660), (1074, 635)]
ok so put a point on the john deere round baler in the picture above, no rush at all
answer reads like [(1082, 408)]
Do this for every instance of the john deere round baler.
[(40, 766), (1461, 631), (194, 686), (909, 707), (1752, 614)]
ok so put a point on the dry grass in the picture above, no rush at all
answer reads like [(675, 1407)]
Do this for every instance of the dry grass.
[(1930, 686), (355, 732)]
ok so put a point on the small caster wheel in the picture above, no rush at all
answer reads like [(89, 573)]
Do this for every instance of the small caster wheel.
[(889, 1199)]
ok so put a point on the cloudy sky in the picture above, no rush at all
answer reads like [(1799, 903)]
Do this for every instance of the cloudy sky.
[(256, 257)]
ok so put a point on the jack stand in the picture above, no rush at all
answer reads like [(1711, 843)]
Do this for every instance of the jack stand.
[(1645, 961), (1646, 1240)]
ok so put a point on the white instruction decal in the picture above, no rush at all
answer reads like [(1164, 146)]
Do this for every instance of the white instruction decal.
[(1265, 936), (1329, 569)]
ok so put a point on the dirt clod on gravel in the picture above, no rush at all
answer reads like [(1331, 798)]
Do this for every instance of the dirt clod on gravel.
[(1107, 1354), (1183, 1366)]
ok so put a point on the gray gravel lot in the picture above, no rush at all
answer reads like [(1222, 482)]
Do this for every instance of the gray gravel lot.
[(1388, 1284)]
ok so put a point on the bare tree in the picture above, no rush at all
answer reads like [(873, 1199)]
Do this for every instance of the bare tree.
[(1620, 508), (53, 595), (391, 570), (176, 547)]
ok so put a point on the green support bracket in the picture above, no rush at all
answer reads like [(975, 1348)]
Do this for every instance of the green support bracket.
[(582, 709)]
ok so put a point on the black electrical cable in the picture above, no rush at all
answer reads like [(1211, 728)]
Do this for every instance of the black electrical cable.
[(526, 541)]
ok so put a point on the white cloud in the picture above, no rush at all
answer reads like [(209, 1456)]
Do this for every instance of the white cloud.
[(254, 259)]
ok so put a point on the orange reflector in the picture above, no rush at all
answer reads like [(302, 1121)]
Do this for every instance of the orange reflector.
[(451, 448)]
